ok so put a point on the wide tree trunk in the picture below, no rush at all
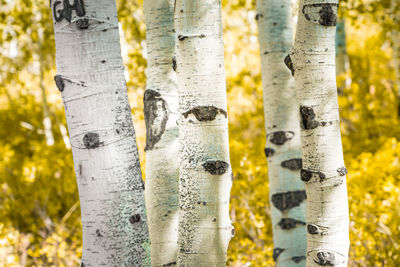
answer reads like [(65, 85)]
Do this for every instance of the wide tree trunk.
[(205, 173), (313, 62), (91, 80), (162, 144), (282, 125)]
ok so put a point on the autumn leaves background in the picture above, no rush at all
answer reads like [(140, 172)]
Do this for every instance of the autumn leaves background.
[(39, 209)]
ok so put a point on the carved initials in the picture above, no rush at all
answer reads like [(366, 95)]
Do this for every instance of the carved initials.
[(66, 12)]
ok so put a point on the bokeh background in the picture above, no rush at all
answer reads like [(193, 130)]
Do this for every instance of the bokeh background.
[(39, 206)]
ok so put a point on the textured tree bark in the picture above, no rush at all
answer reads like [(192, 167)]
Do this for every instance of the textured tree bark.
[(205, 172), (313, 62), (162, 144), (91, 80), (282, 125)]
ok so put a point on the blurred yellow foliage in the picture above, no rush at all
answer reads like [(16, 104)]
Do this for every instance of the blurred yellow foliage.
[(39, 212)]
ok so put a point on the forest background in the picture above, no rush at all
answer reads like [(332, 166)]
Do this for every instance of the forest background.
[(39, 206)]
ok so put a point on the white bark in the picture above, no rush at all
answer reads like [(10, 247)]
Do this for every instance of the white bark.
[(91, 80), (283, 151), (162, 144), (205, 173), (313, 62)]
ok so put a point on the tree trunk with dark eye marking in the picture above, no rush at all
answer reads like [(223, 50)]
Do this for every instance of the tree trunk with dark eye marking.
[(91, 81), (282, 125), (162, 144), (205, 173), (323, 171)]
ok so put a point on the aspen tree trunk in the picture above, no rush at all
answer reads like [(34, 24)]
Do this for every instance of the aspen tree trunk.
[(91, 80), (162, 144), (342, 61), (283, 151), (205, 172), (313, 62)]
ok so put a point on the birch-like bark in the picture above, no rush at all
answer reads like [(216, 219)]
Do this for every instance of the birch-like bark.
[(162, 144), (313, 62), (283, 151), (91, 80), (205, 172)]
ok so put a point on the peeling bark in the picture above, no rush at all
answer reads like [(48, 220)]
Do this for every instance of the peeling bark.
[(104, 150)]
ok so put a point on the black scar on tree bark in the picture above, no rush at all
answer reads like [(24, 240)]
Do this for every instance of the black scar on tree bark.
[(59, 82), (215, 167), (287, 200), (289, 223), (205, 113), (292, 164), (298, 259), (327, 14), (276, 252), (269, 152), (91, 140), (289, 64), (170, 264), (135, 218), (307, 116), (280, 137), (306, 175), (66, 12), (155, 117), (326, 258)]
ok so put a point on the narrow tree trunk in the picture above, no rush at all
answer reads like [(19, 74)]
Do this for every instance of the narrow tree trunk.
[(313, 62), (91, 80), (205, 173), (162, 144), (342, 61), (283, 151), (47, 125)]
